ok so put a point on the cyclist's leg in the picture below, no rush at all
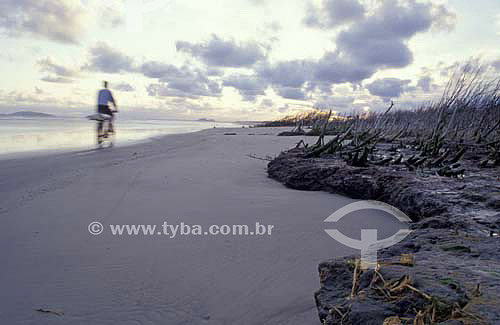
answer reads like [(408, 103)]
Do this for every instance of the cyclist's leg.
[(110, 124), (99, 132)]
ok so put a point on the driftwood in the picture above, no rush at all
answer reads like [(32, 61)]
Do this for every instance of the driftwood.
[(267, 158), (49, 311)]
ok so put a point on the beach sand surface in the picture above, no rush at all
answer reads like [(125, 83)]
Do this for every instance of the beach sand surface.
[(51, 261)]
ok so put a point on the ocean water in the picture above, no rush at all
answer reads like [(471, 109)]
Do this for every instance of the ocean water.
[(35, 134)]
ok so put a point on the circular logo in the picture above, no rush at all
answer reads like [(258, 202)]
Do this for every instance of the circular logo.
[(95, 228), (369, 243)]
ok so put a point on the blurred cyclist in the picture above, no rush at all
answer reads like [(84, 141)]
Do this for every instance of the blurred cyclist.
[(103, 99)]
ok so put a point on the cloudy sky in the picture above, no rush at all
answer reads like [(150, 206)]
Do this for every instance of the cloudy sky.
[(237, 59)]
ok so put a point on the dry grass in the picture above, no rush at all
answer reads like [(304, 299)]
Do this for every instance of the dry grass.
[(465, 119)]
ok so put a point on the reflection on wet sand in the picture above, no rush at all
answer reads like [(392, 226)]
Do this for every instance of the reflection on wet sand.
[(22, 135)]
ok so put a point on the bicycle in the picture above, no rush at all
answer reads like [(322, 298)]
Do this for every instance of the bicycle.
[(104, 131)]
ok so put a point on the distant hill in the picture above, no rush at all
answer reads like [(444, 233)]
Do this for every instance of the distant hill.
[(27, 114), (206, 120)]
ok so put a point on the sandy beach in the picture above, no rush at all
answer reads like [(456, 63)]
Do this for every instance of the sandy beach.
[(50, 261), (320, 162)]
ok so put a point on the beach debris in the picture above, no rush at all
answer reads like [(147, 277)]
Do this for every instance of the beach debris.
[(355, 277), (266, 158), (477, 291), (419, 318), (337, 310), (392, 320), (297, 130), (301, 142), (459, 312), (50, 311), (456, 248), (407, 259)]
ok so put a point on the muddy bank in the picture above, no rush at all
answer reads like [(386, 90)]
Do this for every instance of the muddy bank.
[(447, 271)]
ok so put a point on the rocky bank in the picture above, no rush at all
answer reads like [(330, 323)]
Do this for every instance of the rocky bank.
[(447, 271)]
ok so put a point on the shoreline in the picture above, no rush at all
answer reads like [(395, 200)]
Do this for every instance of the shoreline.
[(128, 143), (55, 139), (50, 152)]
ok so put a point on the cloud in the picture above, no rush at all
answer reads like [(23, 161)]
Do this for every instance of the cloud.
[(155, 69), (389, 87), (123, 86), (291, 92), (286, 73), (224, 53), (425, 83), (380, 39), (104, 58), (288, 78), (443, 18), (14, 98), (284, 108), (111, 14), (496, 64), (182, 89), (330, 102), (60, 80), (185, 81), (274, 26), (49, 66), (377, 41), (56, 73), (58, 20), (186, 106), (249, 87), (266, 102), (333, 13), (336, 68), (41, 101), (448, 70), (214, 71)]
